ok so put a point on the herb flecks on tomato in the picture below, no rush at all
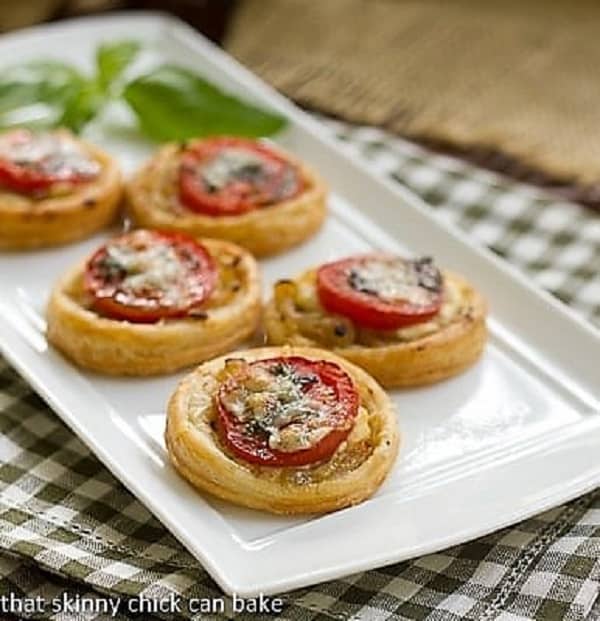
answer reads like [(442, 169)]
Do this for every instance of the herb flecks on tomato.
[(288, 411), (145, 276), (231, 176), (32, 163), (380, 291)]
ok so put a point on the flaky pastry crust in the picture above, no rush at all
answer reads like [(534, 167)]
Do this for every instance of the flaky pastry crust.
[(413, 356), (153, 200), (34, 223), (116, 347), (351, 475)]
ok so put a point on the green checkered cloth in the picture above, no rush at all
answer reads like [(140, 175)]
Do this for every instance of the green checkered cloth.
[(69, 529)]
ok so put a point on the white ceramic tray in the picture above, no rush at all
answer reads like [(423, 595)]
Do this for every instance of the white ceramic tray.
[(517, 434)]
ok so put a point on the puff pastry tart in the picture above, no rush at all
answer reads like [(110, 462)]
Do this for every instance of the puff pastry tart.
[(150, 302), (229, 188), (54, 189), (286, 430), (402, 320)]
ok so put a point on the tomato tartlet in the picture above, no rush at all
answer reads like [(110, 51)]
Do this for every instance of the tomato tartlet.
[(150, 302), (54, 189), (237, 189), (402, 320), (285, 430)]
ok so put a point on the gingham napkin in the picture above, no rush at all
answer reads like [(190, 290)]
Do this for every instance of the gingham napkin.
[(69, 529)]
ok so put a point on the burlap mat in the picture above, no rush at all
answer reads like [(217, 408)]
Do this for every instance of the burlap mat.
[(518, 77)]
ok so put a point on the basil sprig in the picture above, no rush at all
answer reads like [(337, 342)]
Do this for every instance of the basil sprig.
[(172, 103), (169, 102), (43, 94)]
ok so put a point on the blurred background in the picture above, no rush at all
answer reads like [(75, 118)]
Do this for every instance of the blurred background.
[(510, 86)]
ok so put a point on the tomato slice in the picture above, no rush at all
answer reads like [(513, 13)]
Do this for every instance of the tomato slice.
[(145, 276), (34, 162), (230, 176), (381, 291), (286, 411)]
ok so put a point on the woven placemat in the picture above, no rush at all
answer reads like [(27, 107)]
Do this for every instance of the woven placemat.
[(516, 78)]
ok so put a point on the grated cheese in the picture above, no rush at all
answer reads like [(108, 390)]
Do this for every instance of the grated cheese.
[(49, 153), (392, 280), (277, 405), (154, 267), (231, 164)]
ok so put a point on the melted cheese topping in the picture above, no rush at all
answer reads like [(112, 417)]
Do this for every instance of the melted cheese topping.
[(147, 268), (160, 183), (231, 285), (392, 280), (299, 306), (154, 267), (278, 405), (450, 309), (47, 153), (229, 165), (349, 455)]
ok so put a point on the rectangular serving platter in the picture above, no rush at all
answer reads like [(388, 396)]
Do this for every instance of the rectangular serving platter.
[(515, 435)]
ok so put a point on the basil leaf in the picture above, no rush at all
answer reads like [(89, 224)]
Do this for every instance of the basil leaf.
[(45, 85), (83, 106), (172, 103), (112, 59)]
